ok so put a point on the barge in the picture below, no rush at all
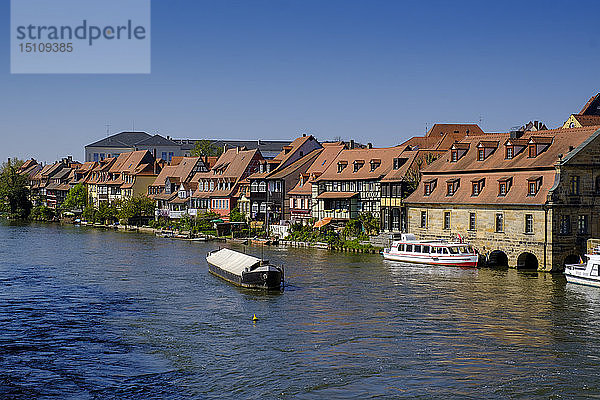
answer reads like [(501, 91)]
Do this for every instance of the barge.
[(244, 270)]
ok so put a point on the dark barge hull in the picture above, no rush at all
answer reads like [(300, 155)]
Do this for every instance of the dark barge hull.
[(269, 280)]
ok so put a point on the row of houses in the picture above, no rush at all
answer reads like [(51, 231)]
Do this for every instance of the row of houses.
[(524, 198)]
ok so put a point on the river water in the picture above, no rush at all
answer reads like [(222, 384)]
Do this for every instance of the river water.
[(87, 313)]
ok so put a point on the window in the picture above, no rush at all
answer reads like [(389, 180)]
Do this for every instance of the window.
[(499, 223), (532, 188), (398, 162), (454, 156), (532, 151), (171, 154), (385, 189), (423, 219), (374, 165), (534, 184), (574, 185), (446, 219), (502, 189), (254, 208), (262, 186), (102, 156), (472, 221), (565, 225), (477, 187), (357, 165), (96, 157), (582, 224), (528, 223), (510, 151), (481, 155), (341, 166), (451, 187), (164, 155)]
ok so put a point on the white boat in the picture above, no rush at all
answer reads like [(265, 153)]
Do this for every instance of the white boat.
[(585, 273), (410, 250)]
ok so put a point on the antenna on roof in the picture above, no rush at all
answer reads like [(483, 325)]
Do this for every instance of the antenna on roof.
[(132, 126), (480, 119), (426, 127), (107, 129)]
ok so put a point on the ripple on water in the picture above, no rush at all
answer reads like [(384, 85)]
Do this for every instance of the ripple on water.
[(101, 314)]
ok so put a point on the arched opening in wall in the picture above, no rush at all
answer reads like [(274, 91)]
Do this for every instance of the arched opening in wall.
[(571, 259), (527, 261), (497, 259)]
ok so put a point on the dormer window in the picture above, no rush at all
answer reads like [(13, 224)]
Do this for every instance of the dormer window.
[(341, 165), (358, 165), (375, 163), (510, 152), (399, 161), (504, 185), (477, 186), (430, 186), (538, 144), (458, 150), (485, 148), (452, 186), (534, 183)]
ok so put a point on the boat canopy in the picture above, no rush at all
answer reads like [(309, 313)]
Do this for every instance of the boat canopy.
[(232, 261)]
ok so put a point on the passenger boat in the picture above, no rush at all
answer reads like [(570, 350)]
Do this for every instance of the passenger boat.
[(244, 270), (438, 252), (585, 273)]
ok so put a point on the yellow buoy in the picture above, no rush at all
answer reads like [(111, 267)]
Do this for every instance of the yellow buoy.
[(254, 318)]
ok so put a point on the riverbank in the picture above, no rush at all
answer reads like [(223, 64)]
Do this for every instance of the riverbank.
[(187, 235)]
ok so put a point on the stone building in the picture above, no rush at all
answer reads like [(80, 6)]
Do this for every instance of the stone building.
[(525, 199)]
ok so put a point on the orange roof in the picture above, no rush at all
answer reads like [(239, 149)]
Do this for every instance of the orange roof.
[(347, 157), (562, 145)]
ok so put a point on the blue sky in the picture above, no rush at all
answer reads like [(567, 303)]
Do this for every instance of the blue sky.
[(374, 71)]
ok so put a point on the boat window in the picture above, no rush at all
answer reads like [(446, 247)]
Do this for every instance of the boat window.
[(470, 250), (425, 249), (453, 250), (595, 270), (417, 248), (440, 250), (445, 250), (463, 249), (409, 247)]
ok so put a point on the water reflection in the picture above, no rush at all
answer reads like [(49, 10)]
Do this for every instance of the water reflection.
[(88, 313)]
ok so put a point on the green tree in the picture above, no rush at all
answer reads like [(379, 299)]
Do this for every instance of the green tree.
[(106, 213), (206, 148), (76, 198), (42, 213), (89, 213), (136, 209), (14, 194), (413, 175), (236, 215), (369, 223)]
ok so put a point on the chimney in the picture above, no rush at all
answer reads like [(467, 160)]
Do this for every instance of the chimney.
[(9, 161), (351, 144), (304, 135), (369, 145), (237, 150)]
